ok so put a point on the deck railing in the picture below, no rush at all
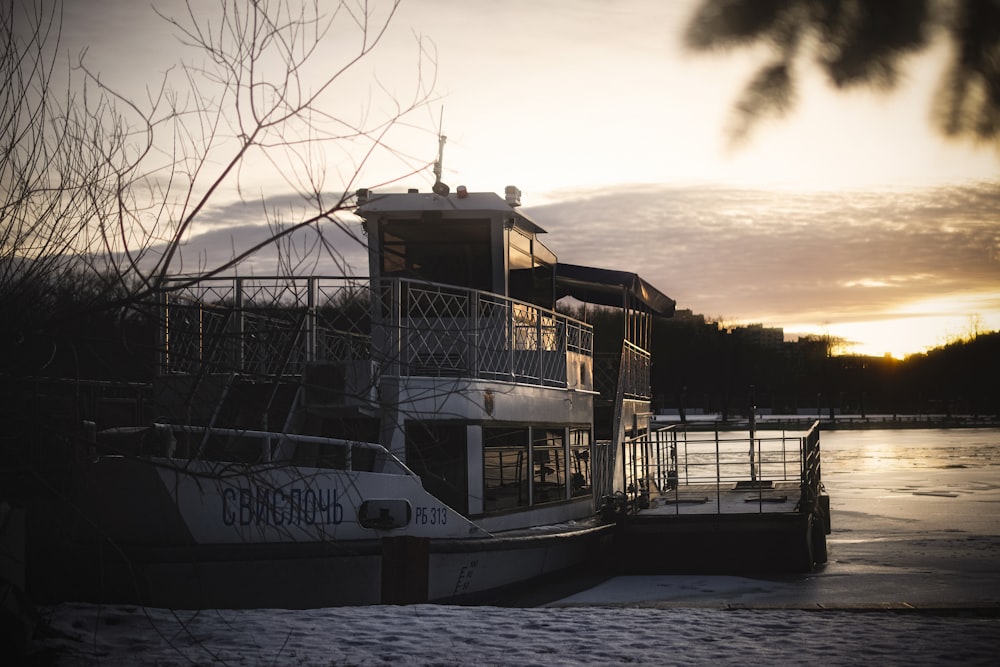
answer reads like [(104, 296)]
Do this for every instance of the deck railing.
[(263, 326), (441, 330), (274, 327), (665, 460), (630, 368)]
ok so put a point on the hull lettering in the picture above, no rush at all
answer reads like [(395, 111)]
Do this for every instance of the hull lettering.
[(295, 506)]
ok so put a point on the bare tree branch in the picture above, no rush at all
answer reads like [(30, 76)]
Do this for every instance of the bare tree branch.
[(109, 184)]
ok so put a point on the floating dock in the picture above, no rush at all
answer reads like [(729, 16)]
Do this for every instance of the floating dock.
[(721, 502)]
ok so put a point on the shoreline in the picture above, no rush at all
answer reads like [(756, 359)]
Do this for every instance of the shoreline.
[(845, 422)]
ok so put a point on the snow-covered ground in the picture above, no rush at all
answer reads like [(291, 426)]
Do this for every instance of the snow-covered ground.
[(441, 635), (913, 578)]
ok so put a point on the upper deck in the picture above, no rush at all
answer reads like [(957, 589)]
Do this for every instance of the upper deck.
[(280, 326)]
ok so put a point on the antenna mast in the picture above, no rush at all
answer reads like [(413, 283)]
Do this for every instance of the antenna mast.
[(440, 188)]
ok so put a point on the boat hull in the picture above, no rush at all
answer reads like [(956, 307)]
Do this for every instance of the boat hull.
[(304, 576), (183, 535)]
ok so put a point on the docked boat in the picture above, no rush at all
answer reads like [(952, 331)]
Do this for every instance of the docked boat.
[(432, 431)]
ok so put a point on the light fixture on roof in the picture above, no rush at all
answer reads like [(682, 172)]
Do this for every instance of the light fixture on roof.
[(512, 195)]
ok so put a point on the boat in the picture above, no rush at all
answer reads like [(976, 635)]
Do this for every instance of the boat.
[(437, 430)]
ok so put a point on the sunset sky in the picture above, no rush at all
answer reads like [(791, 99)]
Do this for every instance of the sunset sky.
[(849, 217)]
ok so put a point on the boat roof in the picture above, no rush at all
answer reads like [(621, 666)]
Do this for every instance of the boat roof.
[(586, 283), (419, 202), (606, 287)]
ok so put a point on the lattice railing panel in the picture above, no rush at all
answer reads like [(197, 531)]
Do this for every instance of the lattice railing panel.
[(274, 326), (493, 336), (273, 344), (264, 326), (435, 330), (200, 336), (343, 320)]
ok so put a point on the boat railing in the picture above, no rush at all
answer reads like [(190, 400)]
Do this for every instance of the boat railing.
[(430, 329), (186, 442), (636, 371), (630, 368), (276, 326), (263, 326), (667, 460)]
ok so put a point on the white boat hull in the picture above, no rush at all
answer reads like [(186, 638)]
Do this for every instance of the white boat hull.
[(205, 535)]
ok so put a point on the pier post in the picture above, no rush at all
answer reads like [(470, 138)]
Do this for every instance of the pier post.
[(405, 562)]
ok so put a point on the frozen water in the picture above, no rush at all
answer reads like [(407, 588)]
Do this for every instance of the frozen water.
[(913, 578)]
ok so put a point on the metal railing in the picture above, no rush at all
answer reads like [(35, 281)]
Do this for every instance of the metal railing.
[(635, 376), (439, 330), (630, 370), (183, 443), (267, 326), (275, 326), (666, 460)]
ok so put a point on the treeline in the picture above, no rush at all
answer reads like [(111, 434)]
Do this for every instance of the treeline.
[(80, 326), (700, 366)]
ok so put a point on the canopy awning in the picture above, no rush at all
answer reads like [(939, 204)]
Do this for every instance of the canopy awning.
[(609, 288)]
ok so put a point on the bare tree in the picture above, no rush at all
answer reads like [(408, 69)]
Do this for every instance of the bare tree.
[(101, 187), (64, 167), (98, 181), (861, 43)]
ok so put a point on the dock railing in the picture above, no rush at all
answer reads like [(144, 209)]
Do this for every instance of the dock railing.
[(664, 461)]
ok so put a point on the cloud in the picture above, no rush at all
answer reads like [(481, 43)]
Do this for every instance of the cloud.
[(756, 255), (323, 249), (287, 207), (797, 260), (221, 232)]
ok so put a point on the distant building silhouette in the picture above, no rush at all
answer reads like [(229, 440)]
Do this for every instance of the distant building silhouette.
[(686, 316), (759, 335)]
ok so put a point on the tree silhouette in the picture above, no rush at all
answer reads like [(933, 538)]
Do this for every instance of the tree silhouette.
[(861, 43), (100, 189), (100, 185)]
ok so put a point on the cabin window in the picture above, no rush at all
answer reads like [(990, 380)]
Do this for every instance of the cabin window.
[(505, 468), (437, 453), (452, 252), (532, 277), (556, 469), (579, 460), (548, 458)]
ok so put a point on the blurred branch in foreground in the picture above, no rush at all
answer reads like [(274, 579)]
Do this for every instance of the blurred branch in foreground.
[(860, 43)]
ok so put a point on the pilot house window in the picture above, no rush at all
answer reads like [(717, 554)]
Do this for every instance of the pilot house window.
[(452, 252), (531, 270)]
